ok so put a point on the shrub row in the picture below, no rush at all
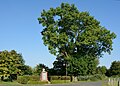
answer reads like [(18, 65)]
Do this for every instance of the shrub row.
[(23, 79), (34, 78), (30, 80), (59, 78), (59, 81), (37, 82), (91, 78)]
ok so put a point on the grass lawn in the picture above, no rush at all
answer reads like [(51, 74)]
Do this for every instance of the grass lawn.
[(16, 84), (10, 83)]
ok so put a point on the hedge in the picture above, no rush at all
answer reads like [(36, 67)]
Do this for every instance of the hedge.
[(91, 77), (30, 80), (23, 79), (59, 78), (34, 78), (59, 81), (37, 82)]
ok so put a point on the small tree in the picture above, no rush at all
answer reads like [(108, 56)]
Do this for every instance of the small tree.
[(10, 62), (115, 68), (101, 70)]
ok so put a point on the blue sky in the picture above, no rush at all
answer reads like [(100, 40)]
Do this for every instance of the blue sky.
[(20, 30)]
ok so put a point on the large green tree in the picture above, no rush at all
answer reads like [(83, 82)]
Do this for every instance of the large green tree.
[(74, 34), (10, 62)]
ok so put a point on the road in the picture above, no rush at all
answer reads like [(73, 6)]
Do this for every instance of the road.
[(71, 84)]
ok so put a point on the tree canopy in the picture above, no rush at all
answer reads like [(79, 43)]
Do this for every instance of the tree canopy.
[(72, 34), (10, 62), (69, 32), (115, 68), (75, 66), (101, 70)]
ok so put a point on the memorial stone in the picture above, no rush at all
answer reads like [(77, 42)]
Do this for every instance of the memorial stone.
[(43, 75)]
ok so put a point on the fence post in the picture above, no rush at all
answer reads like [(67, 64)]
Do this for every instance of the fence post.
[(109, 81), (118, 82)]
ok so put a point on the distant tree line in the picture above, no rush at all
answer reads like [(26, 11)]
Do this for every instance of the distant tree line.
[(60, 69), (12, 62)]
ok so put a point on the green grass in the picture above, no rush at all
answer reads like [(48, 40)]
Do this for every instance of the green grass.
[(14, 83)]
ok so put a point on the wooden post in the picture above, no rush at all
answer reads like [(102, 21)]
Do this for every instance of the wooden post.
[(118, 83)]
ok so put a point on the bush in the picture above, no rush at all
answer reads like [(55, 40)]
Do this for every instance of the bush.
[(35, 78), (38, 82), (13, 76), (65, 78), (83, 78), (23, 79), (91, 78), (59, 81), (98, 77), (55, 78), (30, 80), (59, 78)]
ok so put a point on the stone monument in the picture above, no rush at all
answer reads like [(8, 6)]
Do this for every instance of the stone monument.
[(43, 75)]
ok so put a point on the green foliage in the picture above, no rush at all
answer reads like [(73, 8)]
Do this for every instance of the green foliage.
[(59, 81), (91, 77), (34, 78), (23, 79), (30, 80), (38, 69), (10, 62), (101, 70), (72, 34), (26, 70), (59, 66), (83, 66), (51, 72), (76, 66), (115, 68), (59, 78)]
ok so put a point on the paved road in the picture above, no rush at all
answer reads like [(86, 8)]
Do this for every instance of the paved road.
[(81, 84)]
